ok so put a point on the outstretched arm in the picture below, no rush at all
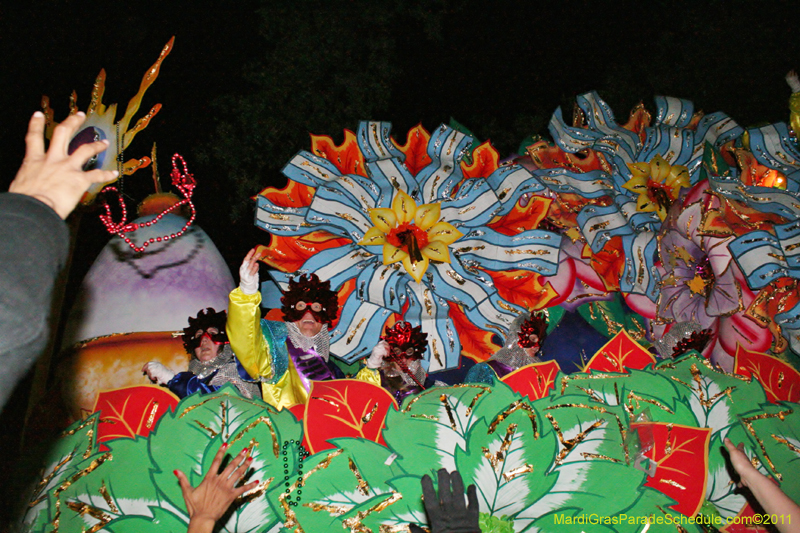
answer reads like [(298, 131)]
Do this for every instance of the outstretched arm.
[(208, 502), (769, 495), (56, 177), (244, 321)]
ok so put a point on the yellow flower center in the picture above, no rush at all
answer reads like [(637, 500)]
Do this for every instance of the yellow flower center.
[(657, 184), (411, 234)]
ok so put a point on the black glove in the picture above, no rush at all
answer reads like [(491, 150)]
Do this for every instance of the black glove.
[(448, 513)]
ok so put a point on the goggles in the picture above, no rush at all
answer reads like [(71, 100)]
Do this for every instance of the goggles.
[(314, 306)]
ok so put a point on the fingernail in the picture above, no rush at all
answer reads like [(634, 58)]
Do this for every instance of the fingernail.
[(81, 114), (249, 460), (175, 472), (38, 114), (115, 173), (105, 141), (224, 445)]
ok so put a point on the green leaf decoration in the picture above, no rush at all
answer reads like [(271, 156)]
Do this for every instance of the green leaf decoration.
[(74, 446), (502, 456), (162, 520), (436, 422), (714, 398), (344, 482), (113, 489), (653, 507), (495, 524), (564, 462), (775, 439)]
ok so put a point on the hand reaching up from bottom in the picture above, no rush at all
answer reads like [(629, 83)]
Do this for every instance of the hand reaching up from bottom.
[(208, 502), (447, 512)]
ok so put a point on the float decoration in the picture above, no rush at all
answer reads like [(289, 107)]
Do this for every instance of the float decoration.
[(100, 124), (530, 460), (182, 180), (417, 244)]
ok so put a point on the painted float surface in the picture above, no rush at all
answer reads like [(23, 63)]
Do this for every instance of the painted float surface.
[(627, 229)]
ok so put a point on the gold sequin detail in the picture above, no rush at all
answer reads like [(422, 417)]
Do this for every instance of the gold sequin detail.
[(261, 420), (362, 486)]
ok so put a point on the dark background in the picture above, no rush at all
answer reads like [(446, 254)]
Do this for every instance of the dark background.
[(248, 81)]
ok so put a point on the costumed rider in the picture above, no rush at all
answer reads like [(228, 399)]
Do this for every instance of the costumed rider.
[(286, 356), (397, 356), (213, 363), (523, 346)]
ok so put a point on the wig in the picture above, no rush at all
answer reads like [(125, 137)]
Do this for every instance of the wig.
[(536, 324), (208, 318), (310, 289), (405, 341)]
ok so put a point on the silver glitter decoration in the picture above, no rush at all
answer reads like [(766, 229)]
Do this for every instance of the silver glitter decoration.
[(224, 364), (321, 342), (512, 354), (682, 330)]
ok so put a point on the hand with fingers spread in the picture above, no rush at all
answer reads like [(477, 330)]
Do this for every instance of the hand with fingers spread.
[(56, 177), (208, 502), (248, 273), (447, 512)]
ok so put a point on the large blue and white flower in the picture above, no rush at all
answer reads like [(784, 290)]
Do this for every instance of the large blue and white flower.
[(643, 174), (418, 244)]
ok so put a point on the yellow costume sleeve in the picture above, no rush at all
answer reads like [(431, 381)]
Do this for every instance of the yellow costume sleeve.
[(794, 112), (244, 332), (369, 375)]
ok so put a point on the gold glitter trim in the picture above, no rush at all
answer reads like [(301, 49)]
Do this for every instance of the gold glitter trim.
[(449, 410), (496, 459), (355, 330), (206, 428), (107, 497), (587, 455), (748, 423), (261, 420), (367, 417), (673, 483), (516, 472), (519, 404), (355, 523), (426, 417), (288, 512), (362, 486), (152, 417), (84, 508)]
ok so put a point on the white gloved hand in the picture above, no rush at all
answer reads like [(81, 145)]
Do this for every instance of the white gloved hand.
[(158, 373), (248, 273), (380, 351), (793, 81)]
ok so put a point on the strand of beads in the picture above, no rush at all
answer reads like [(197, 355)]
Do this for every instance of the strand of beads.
[(302, 453), (183, 181)]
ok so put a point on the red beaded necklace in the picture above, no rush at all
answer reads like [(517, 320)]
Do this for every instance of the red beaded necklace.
[(183, 181)]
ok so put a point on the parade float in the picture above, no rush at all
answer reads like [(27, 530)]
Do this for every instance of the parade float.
[(622, 234)]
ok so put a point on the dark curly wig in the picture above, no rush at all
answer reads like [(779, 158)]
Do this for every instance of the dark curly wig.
[(404, 337), (310, 289), (205, 319), (535, 325)]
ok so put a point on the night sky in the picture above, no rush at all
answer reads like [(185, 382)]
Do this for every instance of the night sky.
[(499, 68)]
